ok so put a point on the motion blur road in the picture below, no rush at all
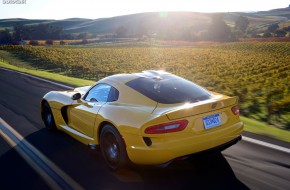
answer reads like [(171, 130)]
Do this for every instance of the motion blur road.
[(33, 158)]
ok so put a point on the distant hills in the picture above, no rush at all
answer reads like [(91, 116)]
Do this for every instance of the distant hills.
[(156, 22)]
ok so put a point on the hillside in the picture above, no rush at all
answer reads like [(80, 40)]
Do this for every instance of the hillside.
[(283, 12), (66, 23), (155, 22)]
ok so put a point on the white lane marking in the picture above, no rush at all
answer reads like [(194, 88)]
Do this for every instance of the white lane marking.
[(254, 141), (262, 143), (50, 172), (38, 78)]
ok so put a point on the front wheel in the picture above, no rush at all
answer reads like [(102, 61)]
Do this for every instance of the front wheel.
[(47, 117), (113, 148)]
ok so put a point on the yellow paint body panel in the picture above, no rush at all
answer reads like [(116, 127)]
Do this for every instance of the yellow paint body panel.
[(132, 113)]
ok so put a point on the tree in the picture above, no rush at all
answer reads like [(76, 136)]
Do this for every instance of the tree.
[(287, 28), (242, 24), (84, 41), (69, 36), (280, 33), (121, 31), (36, 32), (272, 28), (219, 30), (18, 32), (49, 42), (62, 42), (33, 42), (267, 35), (5, 37), (253, 34), (83, 35)]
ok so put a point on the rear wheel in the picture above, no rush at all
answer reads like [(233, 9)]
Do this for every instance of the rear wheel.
[(47, 117), (113, 148)]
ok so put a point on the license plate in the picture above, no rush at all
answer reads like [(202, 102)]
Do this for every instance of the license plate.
[(212, 121)]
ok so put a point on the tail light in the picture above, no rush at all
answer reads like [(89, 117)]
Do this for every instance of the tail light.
[(236, 110), (167, 127)]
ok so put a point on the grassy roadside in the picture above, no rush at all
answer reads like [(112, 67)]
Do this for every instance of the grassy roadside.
[(261, 128), (251, 125), (50, 76)]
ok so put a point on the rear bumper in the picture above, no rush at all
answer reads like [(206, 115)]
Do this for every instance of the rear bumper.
[(223, 146), (169, 148)]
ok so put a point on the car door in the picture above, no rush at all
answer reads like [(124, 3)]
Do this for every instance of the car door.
[(82, 117)]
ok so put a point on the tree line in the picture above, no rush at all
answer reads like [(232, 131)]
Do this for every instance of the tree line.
[(47, 32), (275, 31), (31, 32), (216, 30)]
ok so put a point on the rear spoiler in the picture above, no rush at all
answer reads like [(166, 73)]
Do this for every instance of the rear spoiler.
[(190, 109)]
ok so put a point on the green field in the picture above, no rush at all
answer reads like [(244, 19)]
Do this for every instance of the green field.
[(259, 73)]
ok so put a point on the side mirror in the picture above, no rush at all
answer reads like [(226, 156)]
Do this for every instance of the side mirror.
[(76, 96)]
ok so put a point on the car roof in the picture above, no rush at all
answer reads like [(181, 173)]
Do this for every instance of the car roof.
[(127, 94), (124, 78)]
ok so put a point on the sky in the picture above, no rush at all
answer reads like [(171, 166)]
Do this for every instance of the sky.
[(93, 9)]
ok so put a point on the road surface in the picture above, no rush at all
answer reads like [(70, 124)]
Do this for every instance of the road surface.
[(33, 158)]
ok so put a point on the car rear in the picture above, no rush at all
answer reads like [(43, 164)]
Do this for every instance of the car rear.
[(195, 121)]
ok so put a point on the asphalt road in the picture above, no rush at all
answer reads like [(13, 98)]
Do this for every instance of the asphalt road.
[(40, 159)]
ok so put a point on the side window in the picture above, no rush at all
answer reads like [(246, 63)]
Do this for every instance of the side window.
[(98, 93), (114, 95)]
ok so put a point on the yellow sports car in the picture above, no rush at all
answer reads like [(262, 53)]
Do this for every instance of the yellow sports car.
[(152, 117)]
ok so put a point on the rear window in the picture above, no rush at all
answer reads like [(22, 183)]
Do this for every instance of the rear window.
[(169, 89)]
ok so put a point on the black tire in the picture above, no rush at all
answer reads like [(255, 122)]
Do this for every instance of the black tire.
[(47, 117), (113, 148)]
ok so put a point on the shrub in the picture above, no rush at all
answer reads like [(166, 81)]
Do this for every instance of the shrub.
[(33, 42), (84, 41), (49, 42), (62, 42)]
